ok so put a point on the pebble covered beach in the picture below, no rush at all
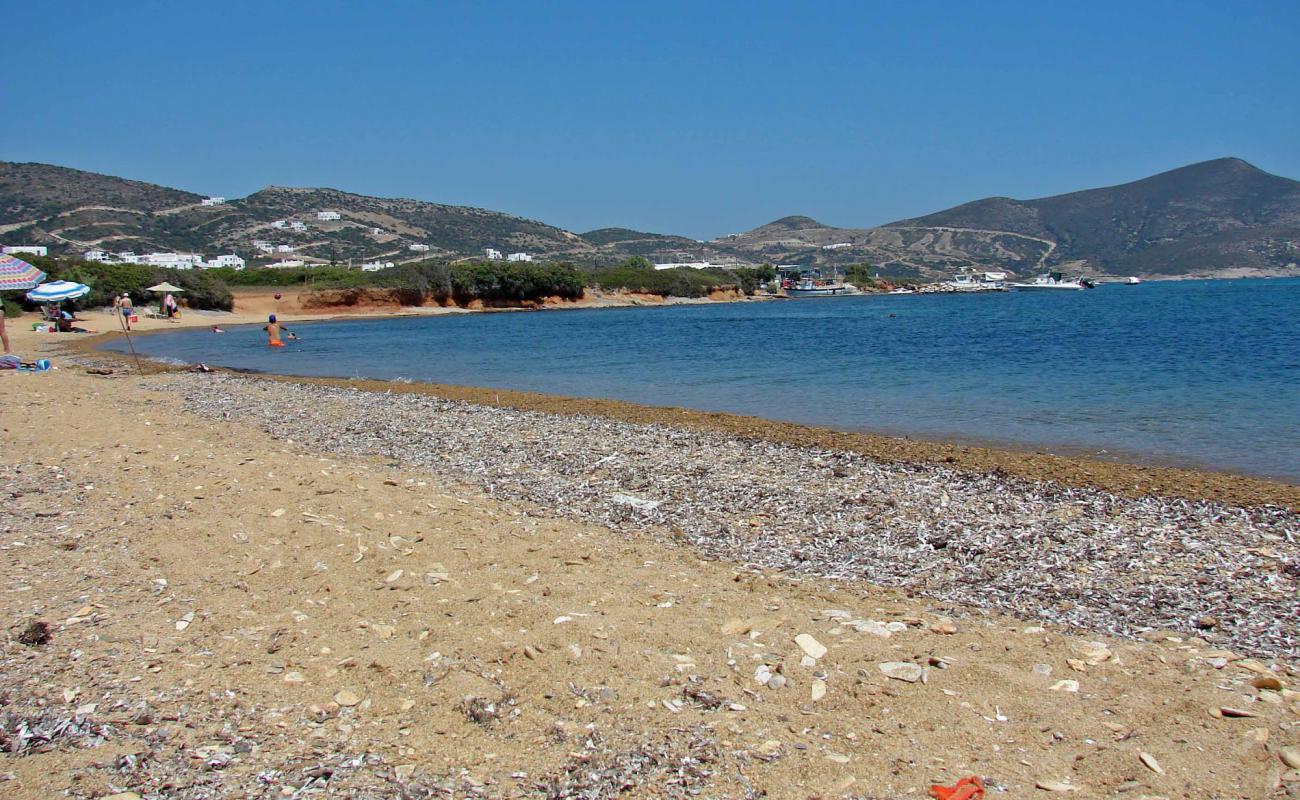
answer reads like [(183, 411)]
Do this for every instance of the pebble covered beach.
[(222, 585)]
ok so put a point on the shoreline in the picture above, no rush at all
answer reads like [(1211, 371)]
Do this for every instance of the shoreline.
[(255, 587), (1129, 478)]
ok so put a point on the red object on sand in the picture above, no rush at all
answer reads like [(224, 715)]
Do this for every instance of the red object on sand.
[(971, 788)]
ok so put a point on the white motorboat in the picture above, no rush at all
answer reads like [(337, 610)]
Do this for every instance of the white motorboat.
[(1053, 281), (970, 281)]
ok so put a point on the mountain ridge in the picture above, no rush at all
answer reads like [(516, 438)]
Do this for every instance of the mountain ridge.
[(1222, 216)]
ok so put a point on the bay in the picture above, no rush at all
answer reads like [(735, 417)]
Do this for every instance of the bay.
[(1193, 373)]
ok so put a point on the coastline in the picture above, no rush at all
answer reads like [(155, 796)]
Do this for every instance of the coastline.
[(260, 586), (1125, 477)]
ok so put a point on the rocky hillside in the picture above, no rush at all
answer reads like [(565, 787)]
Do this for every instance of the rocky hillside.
[(1222, 217), (1217, 217)]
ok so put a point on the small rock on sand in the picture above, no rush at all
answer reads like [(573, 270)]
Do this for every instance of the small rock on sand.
[(1055, 786), (735, 627), (346, 697), (1149, 761), (903, 671), (1290, 756), (810, 646)]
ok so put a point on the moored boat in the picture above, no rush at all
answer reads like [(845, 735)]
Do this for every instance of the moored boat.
[(1053, 281)]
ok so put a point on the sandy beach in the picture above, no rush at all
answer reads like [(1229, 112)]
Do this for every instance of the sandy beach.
[(219, 586)]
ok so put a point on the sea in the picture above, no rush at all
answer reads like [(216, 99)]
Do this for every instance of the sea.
[(1202, 374)]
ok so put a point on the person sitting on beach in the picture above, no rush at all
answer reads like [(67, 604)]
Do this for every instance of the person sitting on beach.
[(64, 323), (273, 329)]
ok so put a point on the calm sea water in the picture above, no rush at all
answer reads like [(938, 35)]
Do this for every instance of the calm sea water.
[(1200, 373)]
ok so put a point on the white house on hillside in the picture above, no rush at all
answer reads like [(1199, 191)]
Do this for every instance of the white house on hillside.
[(284, 248), (519, 257), (298, 226), (30, 249), (212, 201), (279, 223), (286, 264), (172, 260), (328, 216), (419, 248), (228, 261), (375, 266), (97, 255), (493, 255)]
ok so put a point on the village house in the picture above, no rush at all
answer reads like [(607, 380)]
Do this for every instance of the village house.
[(29, 249), (228, 261), (212, 201), (419, 248), (375, 266), (328, 216), (520, 257), (493, 255)]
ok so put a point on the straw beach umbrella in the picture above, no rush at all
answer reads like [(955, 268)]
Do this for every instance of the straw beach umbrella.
[(164, 287), (18, 274)]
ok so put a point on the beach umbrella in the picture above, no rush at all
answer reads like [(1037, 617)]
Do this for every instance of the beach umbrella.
[(164, 287), (58, 291), (18, 274)]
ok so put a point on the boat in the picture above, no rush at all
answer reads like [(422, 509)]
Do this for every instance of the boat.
[(817, 287), (1053, 281), (796, 282), (970, 281), (901, 290), (1132, 281)]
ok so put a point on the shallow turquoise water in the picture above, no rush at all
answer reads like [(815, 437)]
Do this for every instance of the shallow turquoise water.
[(1203, 373)]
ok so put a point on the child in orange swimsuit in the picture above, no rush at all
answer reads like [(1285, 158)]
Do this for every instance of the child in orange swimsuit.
[(273, 329)]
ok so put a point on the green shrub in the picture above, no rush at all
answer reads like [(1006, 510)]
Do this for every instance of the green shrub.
[(202, 289)]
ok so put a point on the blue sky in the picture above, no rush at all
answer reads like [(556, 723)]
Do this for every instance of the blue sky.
[(693, 118)]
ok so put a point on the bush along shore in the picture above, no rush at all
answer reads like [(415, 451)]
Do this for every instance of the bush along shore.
[(492, 283)]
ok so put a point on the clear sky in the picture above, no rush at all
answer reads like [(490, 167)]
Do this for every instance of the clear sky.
[(696, 118)]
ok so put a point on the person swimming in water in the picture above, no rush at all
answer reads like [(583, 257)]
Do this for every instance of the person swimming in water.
[(273, 329), (217, 329)]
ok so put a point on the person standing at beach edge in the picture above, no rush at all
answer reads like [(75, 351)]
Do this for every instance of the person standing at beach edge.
[(128, 308)]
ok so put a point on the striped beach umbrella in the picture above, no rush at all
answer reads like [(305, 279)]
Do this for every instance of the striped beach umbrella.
[(57, 291), (18, 274)]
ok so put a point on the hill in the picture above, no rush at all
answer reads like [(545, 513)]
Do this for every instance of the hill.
[(1220, 217), (1217, 217), (1216, 214)]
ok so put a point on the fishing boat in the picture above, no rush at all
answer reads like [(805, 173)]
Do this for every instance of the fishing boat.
[(1053, 281), (1132, 281), (797, 283)]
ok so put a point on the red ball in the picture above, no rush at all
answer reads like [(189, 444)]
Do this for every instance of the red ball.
[(277, 295)]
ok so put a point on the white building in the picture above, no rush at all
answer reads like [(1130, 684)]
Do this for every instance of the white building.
[(837, 246), (376, 231), (30, 249), (519, 257), (263, 246), (228, 261), (375, 266), (279, 223), (298, 226), (172, 260), (212, 201), (419, 248), (493, 255), (286, 264), (284, 248), (328, 216), (97, 255)]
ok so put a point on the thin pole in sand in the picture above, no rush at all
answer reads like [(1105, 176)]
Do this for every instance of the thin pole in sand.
[(121, 321)]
